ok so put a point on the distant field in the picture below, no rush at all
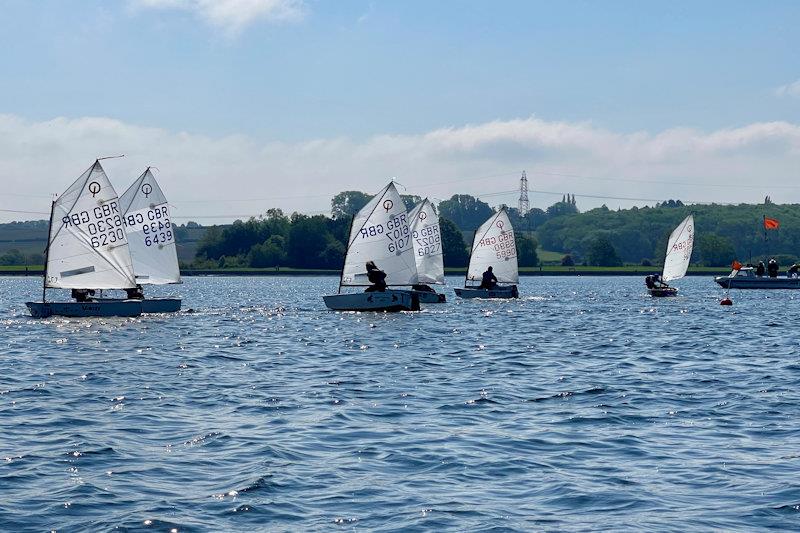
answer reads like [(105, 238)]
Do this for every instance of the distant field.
[(548, 257)]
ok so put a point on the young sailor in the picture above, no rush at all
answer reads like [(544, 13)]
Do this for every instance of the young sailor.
[(489, 280), (377, 277)]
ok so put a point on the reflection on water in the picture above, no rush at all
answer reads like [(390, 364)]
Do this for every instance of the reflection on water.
[(583, 405)]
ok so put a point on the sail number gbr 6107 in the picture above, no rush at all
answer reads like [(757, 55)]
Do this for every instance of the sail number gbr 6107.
[(395, 230), (502, 244), (153, 223)]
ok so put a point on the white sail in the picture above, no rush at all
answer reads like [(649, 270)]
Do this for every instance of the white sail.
[(87, 247), (679, 250), (494, 246), (380, 233), (427, 236), (151, 238)]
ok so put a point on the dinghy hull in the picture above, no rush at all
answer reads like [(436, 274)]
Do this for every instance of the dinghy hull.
[(468, 293), (161, 305), (426, 297), (154, 305), (663, 291), (390, 300), (124, 308)]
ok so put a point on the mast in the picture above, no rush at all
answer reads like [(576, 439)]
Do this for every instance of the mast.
[(344, 259), (47, 251)]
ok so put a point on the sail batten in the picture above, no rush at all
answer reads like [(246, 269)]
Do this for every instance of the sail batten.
[(494, 246), (87, 246), (151, 237), (679, 250), (380, 232), (427, 236)]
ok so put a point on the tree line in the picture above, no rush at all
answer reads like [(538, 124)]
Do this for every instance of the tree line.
[(598, 237)]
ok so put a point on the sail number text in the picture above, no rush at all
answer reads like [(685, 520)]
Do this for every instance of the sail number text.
[(396, 230), (428, 241), (503, 244), (153, 224), (103, 223)]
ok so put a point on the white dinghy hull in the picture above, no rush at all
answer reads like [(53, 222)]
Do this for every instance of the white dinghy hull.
[(389, 300), (124, 308), (468, 293)]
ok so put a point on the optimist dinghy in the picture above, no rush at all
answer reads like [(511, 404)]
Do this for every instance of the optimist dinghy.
[(493, 246), (151, 239), (427, 236), (378, 233), (676, 261), (87, 248)]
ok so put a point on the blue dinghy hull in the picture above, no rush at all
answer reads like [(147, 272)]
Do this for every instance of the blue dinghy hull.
[(389, 300), (509, 291), (124, 308)]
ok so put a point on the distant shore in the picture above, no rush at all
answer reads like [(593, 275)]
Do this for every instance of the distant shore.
[(535, 271)]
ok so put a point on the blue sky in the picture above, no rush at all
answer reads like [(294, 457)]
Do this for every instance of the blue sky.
[(354, 74)]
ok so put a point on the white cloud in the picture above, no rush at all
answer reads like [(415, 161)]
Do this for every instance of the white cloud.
[(232, 16), (790, 89), (239, 175)]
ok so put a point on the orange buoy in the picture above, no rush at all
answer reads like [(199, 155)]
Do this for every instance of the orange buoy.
[(726, 301)]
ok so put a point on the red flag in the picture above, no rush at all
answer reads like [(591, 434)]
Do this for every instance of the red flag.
[(771, 223)]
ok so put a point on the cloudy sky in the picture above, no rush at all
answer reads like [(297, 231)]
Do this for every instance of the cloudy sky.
[(244, 105)]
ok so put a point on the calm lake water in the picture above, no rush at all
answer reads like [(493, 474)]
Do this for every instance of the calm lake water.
[(584, 405)]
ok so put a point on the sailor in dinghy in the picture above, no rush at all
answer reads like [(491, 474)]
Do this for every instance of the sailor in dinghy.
[(493, 250), (379, 234), (87, 248), (676, 260), (427, 237)]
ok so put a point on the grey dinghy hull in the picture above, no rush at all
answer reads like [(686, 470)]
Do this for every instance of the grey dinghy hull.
[(663, 292), (125, 308), (154, 305), (426, 297), (467, 293), (755, 282), (389, 300)]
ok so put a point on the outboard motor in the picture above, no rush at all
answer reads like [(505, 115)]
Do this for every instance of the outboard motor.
[(648, 280)]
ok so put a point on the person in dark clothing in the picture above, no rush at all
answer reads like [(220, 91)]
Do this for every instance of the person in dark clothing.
[(489, 280), (773, 268), (137, 293), (82, 295), (760, 270), (793, 271), (375, 276)]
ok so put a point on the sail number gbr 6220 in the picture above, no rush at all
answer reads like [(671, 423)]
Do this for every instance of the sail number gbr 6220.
[(395, 229)]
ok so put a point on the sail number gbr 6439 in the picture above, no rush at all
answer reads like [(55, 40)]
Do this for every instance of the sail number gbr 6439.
[(153, 223), (395, 229)]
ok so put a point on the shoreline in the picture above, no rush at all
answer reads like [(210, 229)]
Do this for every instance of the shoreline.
[(543, 272)]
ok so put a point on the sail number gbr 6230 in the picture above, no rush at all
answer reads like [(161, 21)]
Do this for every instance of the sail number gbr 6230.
[(102, 223)]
